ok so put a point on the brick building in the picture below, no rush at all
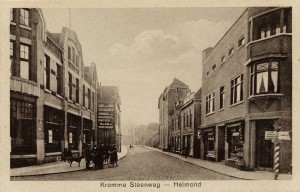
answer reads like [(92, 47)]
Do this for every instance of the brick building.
[(109, 116), (247, 90), (50, 110), (185, 123), (175, 91)]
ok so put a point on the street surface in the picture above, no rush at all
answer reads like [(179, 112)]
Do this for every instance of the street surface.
[(139, 164)]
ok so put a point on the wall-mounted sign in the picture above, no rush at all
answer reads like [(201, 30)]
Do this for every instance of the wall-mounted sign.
[(106, 116), (269, 135), (284, 135)]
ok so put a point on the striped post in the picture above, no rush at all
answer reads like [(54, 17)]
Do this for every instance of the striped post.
[(276, 160)]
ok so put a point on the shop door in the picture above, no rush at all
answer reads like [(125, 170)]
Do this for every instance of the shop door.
[(264, 148)]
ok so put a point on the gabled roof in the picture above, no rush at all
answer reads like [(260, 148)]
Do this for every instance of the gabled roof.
[(177, 83)]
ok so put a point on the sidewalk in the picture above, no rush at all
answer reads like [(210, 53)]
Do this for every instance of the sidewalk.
[(229, 171), (57, 167)]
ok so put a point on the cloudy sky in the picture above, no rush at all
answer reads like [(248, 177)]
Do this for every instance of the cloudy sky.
[(142, 50)]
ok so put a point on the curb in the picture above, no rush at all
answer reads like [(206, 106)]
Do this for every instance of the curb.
[(199, 165), (81, 169)]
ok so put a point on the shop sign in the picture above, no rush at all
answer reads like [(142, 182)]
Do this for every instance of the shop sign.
[(284, 135), (106, 116), (269, 135)]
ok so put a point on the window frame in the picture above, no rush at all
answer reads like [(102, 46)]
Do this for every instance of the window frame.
[(47, 70), (254, 72), (234, 83), (230, 51), (222, 97), (27, 60), (241, 41), (210, 103), (26, 19)]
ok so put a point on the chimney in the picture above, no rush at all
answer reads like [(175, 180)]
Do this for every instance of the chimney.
[(206, 52)]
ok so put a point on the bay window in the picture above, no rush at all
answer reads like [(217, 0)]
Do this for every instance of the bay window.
[(264, 77)]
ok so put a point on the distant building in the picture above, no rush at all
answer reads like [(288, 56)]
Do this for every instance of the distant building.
[(175, 91), (48, 113), (109, 116), (247, 90)]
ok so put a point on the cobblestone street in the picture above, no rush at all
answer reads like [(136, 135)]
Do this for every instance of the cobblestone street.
[(139, 164)]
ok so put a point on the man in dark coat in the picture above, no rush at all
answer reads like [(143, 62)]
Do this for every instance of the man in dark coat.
[(114, 155), (100, 156)]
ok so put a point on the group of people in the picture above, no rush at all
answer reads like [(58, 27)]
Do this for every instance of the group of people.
[(184, 152), (100, 155)]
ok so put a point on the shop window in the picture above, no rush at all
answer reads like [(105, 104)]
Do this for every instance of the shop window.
[(53, 121), (73, 130), (235, 142), (211, 141), (222, 97), (236, 89), (24, 61), (24, 17), (264, 78), (47, 72), (22, 126), (210, 103)]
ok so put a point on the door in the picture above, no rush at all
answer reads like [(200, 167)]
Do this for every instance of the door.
[(264, 148)]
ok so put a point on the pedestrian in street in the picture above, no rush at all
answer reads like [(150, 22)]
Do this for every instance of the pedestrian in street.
[(88, 157), (114, 155), (101, 156)]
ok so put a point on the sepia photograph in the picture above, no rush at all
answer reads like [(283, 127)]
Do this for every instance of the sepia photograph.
[(144, 98)]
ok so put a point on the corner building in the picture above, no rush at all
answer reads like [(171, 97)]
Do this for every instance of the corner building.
[(247, 90), (48, 79)]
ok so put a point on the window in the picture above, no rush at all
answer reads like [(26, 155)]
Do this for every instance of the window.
[(222, 97), (69, 54), (47, 72), (83, 96), (73, 55), (235, 141), (89, 99), (210, 103), (93, 100), (183, 119), (24, 17), (77, 90), (11, 14), (11, 55), (214, 67), (230, 52), (191, 118), (77, 61), (53, 120), (264, 78), (24, 61), (207, 73), (59, 78), (70, 86), (236, 89), (211, 141), (223, 59), (241, 41)]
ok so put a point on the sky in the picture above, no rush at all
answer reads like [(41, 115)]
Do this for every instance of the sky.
[(142, 50)]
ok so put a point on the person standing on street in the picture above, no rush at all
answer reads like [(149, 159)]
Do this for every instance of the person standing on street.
[(88, 157)]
